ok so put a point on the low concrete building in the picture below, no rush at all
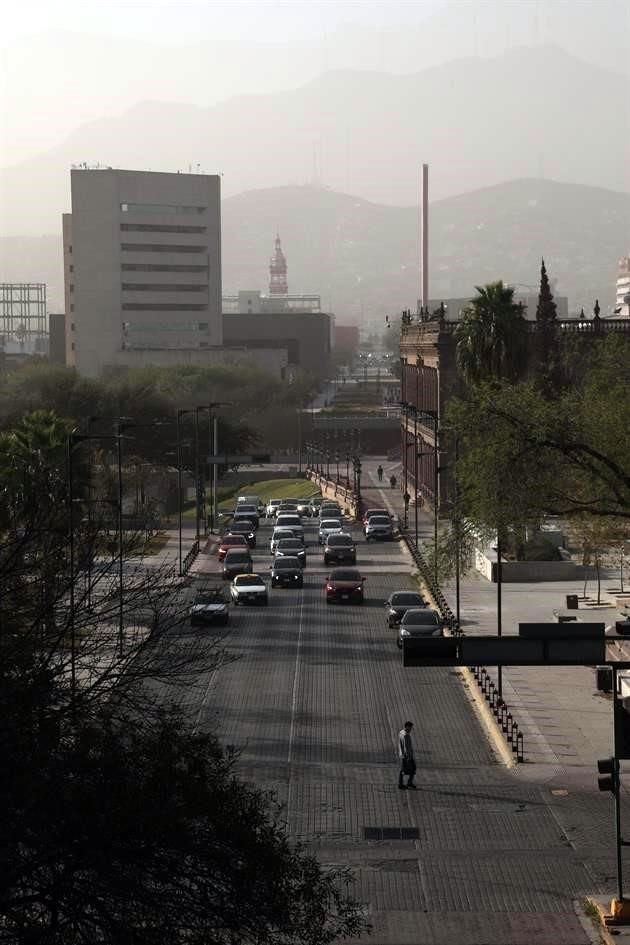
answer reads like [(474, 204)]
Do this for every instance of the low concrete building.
[(305, 337)]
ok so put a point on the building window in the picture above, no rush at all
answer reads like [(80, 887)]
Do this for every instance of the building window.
[(161, 248), (71, 287), (158, 307), (71, 268), (70, 248), (203, 344), (163, 287), (155, 267), (203, 326), (72, 346), (159, 228), (71, 326), (72, 306), (164, 208)]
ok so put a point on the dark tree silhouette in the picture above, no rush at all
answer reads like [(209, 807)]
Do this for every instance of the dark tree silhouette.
[(546, 337)]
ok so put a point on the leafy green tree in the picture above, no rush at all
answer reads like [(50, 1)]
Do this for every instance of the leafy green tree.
[(491, 337), (523, 457)]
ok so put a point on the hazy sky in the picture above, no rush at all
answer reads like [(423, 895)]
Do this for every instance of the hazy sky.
[(185, 20)]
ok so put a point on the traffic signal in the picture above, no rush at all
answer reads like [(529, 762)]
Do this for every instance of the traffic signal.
[(622, 728), (608, 770)]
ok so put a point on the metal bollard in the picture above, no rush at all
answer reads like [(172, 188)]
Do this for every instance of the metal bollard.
[(520, 747)]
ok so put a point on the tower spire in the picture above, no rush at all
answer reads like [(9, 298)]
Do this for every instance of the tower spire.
[(278, 271)]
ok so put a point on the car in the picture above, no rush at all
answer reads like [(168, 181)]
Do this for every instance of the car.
[(290, 520), (292, 548), (340, 548), (249, 589), (281, 532), (315, 504), (330, 508), (379, 526), (251, 500), (237, 561), (272, 507), (304, 507), (243, 510), (344, 584), (210, 607), (420, 622), (329, 526), (286, 572), (398, 603), (288, 505), (370, 512), (231, 541), (244, 529)]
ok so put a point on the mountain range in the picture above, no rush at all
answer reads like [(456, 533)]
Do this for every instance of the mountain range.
[(535, 112), (362, 257)]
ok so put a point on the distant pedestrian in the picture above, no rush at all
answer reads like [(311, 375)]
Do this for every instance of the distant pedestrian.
[(392, 481), (379, 473), (407, 760)]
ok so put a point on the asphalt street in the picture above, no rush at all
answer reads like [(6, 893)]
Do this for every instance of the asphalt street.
[(479, 854)]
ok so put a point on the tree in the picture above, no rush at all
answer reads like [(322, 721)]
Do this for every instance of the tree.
[(491, 337), (598, 538), (546, 337), (121, 823), (523, 456)]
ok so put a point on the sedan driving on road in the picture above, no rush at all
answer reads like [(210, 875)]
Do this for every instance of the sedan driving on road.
[(379, 527), (339, 548), (231, 541), (272, 507), (249, 589), (210, 607), (329, 526), (398, 603), (286, 572), (344, 584), (237, 561), (292, 548), (244, 529), (280, 533), (420, 623)]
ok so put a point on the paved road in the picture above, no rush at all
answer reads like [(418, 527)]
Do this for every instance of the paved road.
[(479, 854)]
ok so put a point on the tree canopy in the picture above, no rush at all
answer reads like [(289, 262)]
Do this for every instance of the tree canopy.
[(491, 337)]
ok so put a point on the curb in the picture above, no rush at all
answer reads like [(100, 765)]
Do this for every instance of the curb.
[(487, 719)]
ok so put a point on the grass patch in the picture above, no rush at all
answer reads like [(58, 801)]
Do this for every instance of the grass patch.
[(272, 489)]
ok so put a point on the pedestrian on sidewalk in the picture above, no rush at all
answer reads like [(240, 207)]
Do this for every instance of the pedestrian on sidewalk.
[(407, 760), (392, 481), (379, 473)]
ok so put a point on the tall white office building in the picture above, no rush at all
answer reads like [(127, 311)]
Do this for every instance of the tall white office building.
[(142, 265)]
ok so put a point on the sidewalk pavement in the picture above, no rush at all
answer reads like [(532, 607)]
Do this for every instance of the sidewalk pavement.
[(565, 721)]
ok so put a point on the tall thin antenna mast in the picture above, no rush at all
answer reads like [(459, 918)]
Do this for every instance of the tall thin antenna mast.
[(424, 236)]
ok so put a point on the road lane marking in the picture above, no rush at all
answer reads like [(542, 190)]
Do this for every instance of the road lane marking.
[(296, 675)]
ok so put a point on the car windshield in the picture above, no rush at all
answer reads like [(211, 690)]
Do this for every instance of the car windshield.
[(289, 519), (287, 544), (286, 564), (330, 523), (237, 556), (247, 509), (275, 502), (249, 579), (379, 520), (375, 512), (240, 527), (343, 574), (420, 618), (339, 540), (407, 599), (209, 597)]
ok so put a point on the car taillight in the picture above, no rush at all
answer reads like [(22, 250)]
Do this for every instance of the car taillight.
[(329, 587)]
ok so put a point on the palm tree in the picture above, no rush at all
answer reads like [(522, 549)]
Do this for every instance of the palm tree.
[(491, 338)]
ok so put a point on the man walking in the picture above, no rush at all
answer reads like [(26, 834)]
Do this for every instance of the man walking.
[(407, 760)]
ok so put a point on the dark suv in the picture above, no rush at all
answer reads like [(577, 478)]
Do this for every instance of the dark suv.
[(340, 549), (237, 561), (286, 572)]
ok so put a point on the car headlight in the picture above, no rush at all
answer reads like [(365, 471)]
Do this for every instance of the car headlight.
[(403, 632)]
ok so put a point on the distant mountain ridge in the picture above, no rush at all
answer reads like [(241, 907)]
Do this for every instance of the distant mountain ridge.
[(362, 257), (530, 112)]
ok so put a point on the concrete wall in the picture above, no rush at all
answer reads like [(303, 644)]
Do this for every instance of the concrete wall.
[(522, 572), (305, 337), (146, 252)]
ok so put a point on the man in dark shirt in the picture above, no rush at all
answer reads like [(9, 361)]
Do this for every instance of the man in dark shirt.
[(407, 760)]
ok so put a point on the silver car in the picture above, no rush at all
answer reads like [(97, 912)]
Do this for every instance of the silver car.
[(329, 526), (420, 623)]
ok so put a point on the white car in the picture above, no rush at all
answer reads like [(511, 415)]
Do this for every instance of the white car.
[(251, 500), (272, 507), (281, 532), (329, 526), (249, 589), (290, 520), (304, 507)]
